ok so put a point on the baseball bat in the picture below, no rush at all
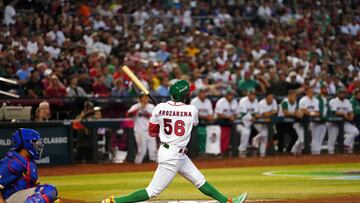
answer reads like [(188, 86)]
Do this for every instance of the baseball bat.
[(138, 83)]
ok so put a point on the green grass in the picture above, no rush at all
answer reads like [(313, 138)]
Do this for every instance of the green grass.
[(231, 181)]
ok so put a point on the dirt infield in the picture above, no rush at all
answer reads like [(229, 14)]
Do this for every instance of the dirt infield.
[(210, 163), (216, 163)]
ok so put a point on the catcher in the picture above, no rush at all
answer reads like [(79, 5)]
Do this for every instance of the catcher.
[(18, 171)]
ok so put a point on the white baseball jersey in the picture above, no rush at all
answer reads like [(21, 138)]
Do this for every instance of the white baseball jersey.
[(204, 107), (176, 121), (247, 106), (247, 109), (285, 104), (223, 106), (311, 105), (141, 117), (340, 106), (265, 107)]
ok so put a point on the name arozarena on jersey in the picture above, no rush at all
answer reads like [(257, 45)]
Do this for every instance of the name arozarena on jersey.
[(175, 113)]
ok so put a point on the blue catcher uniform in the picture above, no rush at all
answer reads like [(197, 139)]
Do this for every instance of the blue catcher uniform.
[(19, 175)]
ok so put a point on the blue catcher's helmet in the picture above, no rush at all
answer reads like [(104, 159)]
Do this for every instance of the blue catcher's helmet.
[(30, 140)]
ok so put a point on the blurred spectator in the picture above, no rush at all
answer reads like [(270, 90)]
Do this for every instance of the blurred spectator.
[(294, 82), (10, 13), (55, 88), (99, 87), (107, 77), (247, 84), (278, 84), (163, 55), (86, 83), (23, 73), (47, 78), (43, 112), (250, 40), (34, 87), (89, 112), (73, 90), (119, 90), (163, 89), (83, 144)]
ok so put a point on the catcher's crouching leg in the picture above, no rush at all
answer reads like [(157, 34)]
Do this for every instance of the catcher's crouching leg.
[(43, 194)]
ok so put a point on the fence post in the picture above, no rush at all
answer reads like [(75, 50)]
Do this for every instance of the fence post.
[(341, 136), (131, 144), (193, 145), (270, 149), (235, 141), (307, 137), (94, 145)]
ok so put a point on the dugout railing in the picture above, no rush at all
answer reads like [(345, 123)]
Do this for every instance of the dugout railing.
[(270, 122)]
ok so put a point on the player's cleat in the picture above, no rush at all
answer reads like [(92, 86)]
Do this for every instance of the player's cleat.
[(240, 199), (111, 199)]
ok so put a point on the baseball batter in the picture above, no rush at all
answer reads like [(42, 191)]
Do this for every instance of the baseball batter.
[(141, 112), (267, 108), (173, 121), (248, 107), (18, 171), (340, 106)]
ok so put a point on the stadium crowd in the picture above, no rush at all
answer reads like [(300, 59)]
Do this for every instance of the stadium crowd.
[(64, 48), (237, 47)]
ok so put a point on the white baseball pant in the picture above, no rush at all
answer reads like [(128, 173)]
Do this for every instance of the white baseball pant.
[(21, 195), (170, 163), (245, 132), (318, 132), (299, 144), (350, 132), (261, 138), (144, 142)]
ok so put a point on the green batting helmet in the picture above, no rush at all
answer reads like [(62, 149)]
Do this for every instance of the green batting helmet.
[(180, 91)]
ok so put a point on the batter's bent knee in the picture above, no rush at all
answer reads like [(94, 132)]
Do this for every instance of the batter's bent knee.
[(200, 181)]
